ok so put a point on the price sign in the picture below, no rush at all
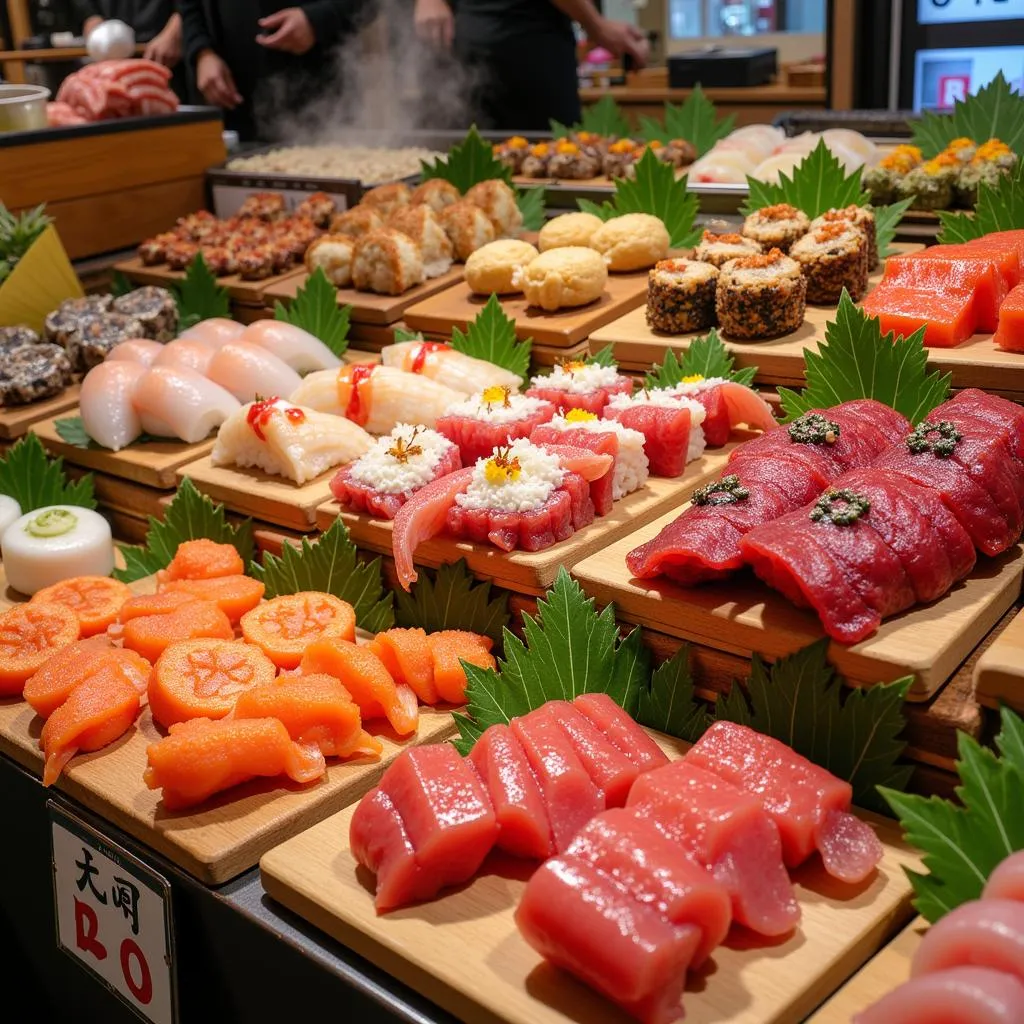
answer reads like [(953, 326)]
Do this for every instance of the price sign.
[(113, 916), (939, 12)]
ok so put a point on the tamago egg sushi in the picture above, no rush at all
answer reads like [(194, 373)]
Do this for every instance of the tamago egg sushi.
[(495, 417), (580, 385)]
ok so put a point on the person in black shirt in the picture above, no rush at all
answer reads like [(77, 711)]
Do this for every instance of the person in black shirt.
[(523, 53)]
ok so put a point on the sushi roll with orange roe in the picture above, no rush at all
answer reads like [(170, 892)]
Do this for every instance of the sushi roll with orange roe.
[(495, 417)]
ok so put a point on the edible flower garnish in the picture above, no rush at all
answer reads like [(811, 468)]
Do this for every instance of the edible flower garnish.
[(726, 491), (692, 378), (579, 416), (501, 468), (841, 508), (572, 366), (921, 439), (497, 393), (403, 450), (813, 428)]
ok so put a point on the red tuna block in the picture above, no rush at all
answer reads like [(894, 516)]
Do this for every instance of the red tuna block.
[(1005, 416), (632, 739), (589, 401), (581, 921), (523, 827), (654, 871), (727, 832), (1010, 329), (589, 440), (477, 439), (729, 404), (809, 805), (666, 433), (948, 317), (571, 798)]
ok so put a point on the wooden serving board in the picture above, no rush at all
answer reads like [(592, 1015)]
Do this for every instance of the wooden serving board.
[(745, 616), (999, 673), (122, 496), (880, 975), (16, 420), (463, 951), (562, 329), (368, 308), (153, 463), (533, 572)]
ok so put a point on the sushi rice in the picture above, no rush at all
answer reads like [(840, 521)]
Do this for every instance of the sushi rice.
[(518, 478), (631, 465), (491, 407), (670, 398), (578, 378), (381, 470)]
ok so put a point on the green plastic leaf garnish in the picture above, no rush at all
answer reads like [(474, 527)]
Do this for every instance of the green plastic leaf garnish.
[(696, 121), (604, 210), (467, 164), (1000, 207), (603, 357), (705, 356), (120, 285), (452, 599), (857, 361), (531, 206), (670, 703), (330, 564), (402, 334), (604, 118), (71, 430), (199, 297), (887, 220), (570, 648), (34, 480), (995, 111), (491, 335), (189, 516), (315, 309), (962, 842)]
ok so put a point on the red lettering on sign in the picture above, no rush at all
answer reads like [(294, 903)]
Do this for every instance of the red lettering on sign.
[(87, 926), (142, 989)]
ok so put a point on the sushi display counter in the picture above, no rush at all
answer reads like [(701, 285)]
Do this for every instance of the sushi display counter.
[(16, 421), (999, 672)]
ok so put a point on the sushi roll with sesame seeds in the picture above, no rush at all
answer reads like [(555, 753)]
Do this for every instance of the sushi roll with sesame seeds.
[(776, 227), (512, 152), (32, 372), (671, 425), (16, 336), (930, 186), (833, 257), (71, 314), (681, 296), (154, 308), (761, 296), (719, 249), (570, 161), (580, 385), (494, 417), (862, 217), (92, 342)]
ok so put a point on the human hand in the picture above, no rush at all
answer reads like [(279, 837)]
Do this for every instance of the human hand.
[(292, 31), (619, 37), (435, 23), (215, 81), (165, 46)]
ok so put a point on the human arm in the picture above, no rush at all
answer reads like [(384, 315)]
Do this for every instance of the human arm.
[(166, 46), (298, 29), (618, 37), (213, 76)]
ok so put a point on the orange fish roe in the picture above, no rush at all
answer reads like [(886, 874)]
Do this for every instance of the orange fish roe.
[(828, 232), (730, 238), (780, 211), (759, 260)]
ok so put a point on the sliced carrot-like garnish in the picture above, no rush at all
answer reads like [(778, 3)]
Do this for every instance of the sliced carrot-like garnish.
[(234, 595), (203, 560), (29, 634), (96, 600), (151, 635), (284, 627)]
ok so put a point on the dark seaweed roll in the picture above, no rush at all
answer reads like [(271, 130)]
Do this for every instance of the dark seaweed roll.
[(91, 343), (29, 373), (761, 296), (719, 249), (681, 296), (833, 257), (154, 308), (776, 227), (71, 314), (862, 217)]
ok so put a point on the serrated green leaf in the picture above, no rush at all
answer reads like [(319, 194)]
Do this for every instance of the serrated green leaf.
[(491, 335), (469, 732), (34, 480), (189, 516), (705, 356), (199, 297), (330, 564), (401, 334), (696, 121), (71, 430), (452, 598), (120, 285), (315, 310), (559, 130), (1000, 207), (819, 183), (604, 211), (467, 164), (670, 703), (631, 671), (887, 220), (603, 357), (857, 361), (531, 206), (604, 118)]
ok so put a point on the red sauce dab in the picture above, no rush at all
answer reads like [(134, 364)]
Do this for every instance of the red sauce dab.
[(426, 348), (357, 408), (260, 412)]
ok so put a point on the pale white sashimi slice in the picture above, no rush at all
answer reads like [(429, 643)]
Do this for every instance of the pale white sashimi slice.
[(216, 331), (303, 352), (376, 397), (853, 141), (761, 134), (782, 163), (442, 363), (287, 440), (106, 403), (174, 401), (803, 143), (136, 350), (250, 372), (192, 354)]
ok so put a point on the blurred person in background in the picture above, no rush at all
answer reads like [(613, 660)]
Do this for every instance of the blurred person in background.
[(245, 53), (524, 53)]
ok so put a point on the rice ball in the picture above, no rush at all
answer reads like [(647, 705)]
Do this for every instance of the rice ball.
[(386, 262), (493, 267), (333, 255), (500, 204), (572, 276), (568, 229), (468, 227), (634, 241)]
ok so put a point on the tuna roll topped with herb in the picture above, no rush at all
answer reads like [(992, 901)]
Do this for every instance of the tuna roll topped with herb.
[(580, 384), (833, 257), (776, 227), (383, 479), (494, 417), (761, 296), (719, 249), (728, 404), (681, 296), (861, 217), (670, 423)]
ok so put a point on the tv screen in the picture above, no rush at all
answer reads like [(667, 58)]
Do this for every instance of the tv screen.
[(941, 77)]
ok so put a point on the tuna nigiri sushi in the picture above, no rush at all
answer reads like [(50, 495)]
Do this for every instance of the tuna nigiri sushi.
[(671, 424), (286, 440), (303, 352), (580, 385), (376, 397), (249, 371), (214, 332), (494, 417), (136, 350), (397, 465), (727, 405), (107, 403), (173, 401), (191, 354), (444, 364)]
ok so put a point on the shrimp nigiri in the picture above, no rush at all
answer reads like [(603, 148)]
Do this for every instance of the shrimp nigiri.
[(213, 333), (174, 401), (136, 350), (303, 352), (453, 369), (248, 371), (106, 403), (192, 354)]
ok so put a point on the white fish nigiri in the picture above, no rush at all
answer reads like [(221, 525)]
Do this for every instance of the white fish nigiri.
[(303, 352), (174, 401), (249, 372), (136, 350), (442, 363), (286, 440), (216, 331), (107, 403), (192, 354), (376, 397)]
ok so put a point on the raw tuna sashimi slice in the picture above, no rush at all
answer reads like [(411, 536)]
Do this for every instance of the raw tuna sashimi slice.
[(1007, 881), (586, 463), (477, 439), (587, 440), (1006, 416), (565, 400), (581, 921), (523, 826), (892, 425), (809, 805), (982, 933), (666, 431), (948, 317), (623, 731), (653, 870), (729, 405), (726, 831)]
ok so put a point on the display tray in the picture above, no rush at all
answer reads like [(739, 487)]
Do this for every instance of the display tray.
[(532, 572), (122, 496), (999, 673), (744, 616), (16, 420), (463, 951), (152, 463)]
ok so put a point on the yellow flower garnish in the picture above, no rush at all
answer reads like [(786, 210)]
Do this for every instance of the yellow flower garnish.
[(500, 469), (573, 365), (579, 416), (567, 147), (693, 378), (402, 450), (497, 393)]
